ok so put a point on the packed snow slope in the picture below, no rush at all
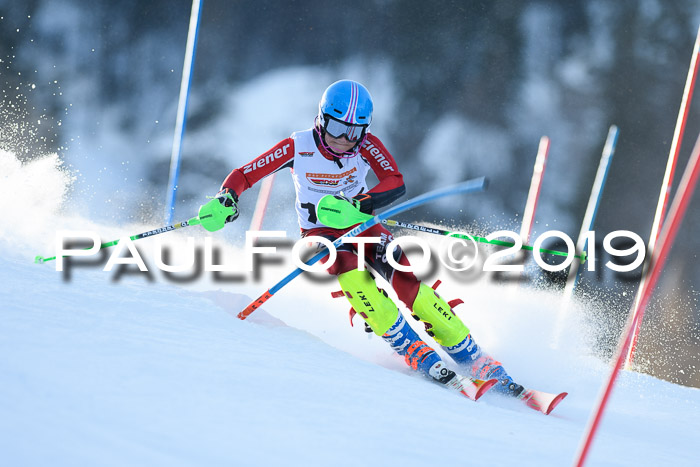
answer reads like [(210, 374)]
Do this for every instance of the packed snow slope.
[(129, 368)]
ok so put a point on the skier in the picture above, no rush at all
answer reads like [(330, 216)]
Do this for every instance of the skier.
[(334, 157)]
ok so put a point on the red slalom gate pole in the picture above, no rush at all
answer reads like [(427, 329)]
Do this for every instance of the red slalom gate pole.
[(666, 186), (261, 204), (666, 238), (534, 194)]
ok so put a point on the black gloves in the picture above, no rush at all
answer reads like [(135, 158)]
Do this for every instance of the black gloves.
[(229, 198), (361, 202)]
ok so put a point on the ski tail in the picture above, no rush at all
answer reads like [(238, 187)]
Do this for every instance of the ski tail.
[(471, 388), (482, 386), (541, 401)]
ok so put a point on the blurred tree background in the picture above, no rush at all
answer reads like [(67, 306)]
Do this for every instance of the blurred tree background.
[(472, 85)]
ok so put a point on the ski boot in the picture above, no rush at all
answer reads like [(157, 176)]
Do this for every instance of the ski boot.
[(482, 366), (417, 354), (423, 358)]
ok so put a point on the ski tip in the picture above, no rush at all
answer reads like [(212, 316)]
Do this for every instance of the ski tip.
[(484, 387), (555, 402)]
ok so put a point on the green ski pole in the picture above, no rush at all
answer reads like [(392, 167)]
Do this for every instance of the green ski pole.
[(422, 228), (212, 216), (343, 214)]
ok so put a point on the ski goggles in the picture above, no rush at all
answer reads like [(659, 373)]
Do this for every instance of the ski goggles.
[(336, 129)]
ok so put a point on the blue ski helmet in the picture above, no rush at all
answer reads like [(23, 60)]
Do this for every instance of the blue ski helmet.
[(347, 101)]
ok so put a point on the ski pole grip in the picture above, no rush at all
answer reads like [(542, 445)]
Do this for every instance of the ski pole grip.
[(212, 215)]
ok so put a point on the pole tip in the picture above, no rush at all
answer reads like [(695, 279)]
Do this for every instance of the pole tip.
[(38, 259)]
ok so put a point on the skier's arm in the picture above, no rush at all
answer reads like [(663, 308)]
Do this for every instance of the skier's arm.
[(390, 186), (276, 158)]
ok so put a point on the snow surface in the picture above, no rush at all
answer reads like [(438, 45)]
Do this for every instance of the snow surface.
[(110, 368)]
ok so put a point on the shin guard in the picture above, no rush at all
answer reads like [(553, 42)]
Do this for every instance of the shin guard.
[(368, 301), (440, 321)]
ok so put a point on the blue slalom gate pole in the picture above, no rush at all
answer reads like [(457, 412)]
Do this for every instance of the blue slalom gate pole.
[(593, 204), (192, 34), (586, 226)]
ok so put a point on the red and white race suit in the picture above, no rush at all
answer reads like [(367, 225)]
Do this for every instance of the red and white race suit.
[(317, 173)]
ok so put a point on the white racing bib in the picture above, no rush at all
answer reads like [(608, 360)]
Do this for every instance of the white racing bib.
[(315, 177)]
